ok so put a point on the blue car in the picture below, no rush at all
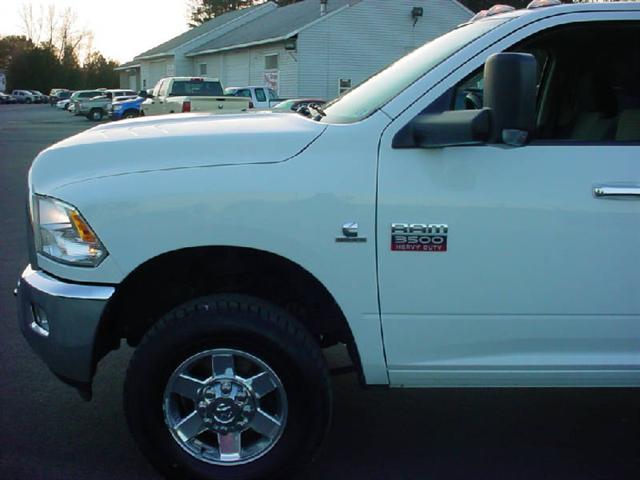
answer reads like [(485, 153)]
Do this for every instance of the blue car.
[(125, 108)]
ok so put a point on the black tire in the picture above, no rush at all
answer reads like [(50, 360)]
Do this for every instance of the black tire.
[(130, 114), (28, 100), (96, 115), (250, 325)]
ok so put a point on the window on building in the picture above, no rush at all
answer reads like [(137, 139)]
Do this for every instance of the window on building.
[(271, 62), (344, 85), (203, 69)]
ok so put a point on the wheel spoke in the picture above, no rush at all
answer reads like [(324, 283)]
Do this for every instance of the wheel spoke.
[(186, 386), (223, 365), (265, 424), (230, 446), (189, 427), (262, 384)]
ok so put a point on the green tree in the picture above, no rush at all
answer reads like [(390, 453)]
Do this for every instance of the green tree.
[(11, 47), (201, 11), (33, 68), (99, 72), (70, 75)]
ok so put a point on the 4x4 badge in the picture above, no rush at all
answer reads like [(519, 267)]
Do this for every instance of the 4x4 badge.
[(419, 237)]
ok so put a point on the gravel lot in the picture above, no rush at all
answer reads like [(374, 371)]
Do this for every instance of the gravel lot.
[(46, 431)]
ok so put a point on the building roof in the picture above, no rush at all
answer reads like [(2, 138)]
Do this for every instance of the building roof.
[(280, 23), (126, 66), (167, 47)]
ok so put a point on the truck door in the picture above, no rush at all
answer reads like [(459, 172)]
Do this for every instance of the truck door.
[(521, 265), (261, 98), (154, 106)]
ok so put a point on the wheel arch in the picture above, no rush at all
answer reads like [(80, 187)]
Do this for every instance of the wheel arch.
[(172, 278)]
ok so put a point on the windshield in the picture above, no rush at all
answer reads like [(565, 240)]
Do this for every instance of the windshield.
[(374, 93), (286, 105)]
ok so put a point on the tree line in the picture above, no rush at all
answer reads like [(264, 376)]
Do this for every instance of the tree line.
[(53, 52)]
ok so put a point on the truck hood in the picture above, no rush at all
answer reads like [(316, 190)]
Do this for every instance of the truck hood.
[(130, 101), (171, 142)]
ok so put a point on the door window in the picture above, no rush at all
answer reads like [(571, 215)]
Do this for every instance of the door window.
[(587, 90), (260, 95), (243, 92)]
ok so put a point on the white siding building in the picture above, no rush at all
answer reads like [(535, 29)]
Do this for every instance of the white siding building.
[(313, 48)]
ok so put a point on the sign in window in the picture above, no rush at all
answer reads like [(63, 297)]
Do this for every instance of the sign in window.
[(271, 80)]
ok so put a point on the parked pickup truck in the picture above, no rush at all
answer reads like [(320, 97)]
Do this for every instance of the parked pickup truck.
[(82, 95), (492, 242), (191, 94), (96, 108), (260, 97), (126, 108)]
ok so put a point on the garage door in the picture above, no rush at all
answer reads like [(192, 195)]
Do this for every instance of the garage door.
[(236, 69), (133, 82), (157, 70)]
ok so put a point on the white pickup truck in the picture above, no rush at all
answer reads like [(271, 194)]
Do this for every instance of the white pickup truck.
[(191, 94), (260, 97), (469, 217)]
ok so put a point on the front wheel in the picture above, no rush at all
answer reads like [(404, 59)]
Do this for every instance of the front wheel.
[(228, 387), (130, 114), (96, 114)]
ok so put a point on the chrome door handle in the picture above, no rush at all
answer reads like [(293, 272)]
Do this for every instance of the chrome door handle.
[(600, 191)]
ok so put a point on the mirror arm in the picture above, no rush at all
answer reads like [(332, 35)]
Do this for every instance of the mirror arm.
[(449, 128)]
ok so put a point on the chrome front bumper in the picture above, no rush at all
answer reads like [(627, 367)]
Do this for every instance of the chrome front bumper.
[(60, 321)]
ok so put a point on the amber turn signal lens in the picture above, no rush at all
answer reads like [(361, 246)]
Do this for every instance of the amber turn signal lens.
[(82, 228)]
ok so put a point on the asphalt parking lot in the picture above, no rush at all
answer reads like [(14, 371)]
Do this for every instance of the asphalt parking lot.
[(47, 431)]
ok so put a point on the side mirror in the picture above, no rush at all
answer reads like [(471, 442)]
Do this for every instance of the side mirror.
[(304, 110), (508, 115), (453, 127), (510, 94), (144, 94)]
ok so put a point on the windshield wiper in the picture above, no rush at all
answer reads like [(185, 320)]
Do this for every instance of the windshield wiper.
[(317, 108)]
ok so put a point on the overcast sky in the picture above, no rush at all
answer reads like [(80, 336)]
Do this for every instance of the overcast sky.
[(121, 28)]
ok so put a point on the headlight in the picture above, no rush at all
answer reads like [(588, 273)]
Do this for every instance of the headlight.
[(63, 235), (117, 108)]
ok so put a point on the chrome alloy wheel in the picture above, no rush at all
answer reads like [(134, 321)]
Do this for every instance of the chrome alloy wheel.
[(225, 407)]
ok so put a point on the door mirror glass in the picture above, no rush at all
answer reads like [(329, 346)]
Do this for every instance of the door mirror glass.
[(510, 93)]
